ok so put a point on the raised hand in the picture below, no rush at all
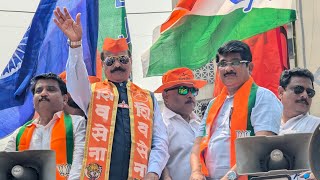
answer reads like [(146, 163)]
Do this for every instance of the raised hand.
[(72, 29)]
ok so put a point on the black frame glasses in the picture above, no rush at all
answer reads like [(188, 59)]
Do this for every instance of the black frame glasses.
[(184, 90), (233, 63), (109, 60), (300, 89)]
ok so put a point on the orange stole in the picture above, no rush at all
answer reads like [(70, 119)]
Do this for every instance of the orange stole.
[(58, 144), (239, 119), (100, 130)]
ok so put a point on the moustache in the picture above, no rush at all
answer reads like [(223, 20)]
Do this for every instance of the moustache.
[(302, 101), (117, 69), (44, 99), (189, 101), (229, 73)]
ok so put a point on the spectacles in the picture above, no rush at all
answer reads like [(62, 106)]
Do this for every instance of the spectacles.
[(233, 63), (184, 90), (111, 59), (300, 89)]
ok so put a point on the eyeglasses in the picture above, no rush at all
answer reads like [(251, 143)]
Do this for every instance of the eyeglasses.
[(300, 89), (111, 59), (233, 63), (184, 90)]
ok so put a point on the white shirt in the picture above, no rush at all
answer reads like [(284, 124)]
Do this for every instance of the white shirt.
[(41, 140), (265, 116), (181, 138), (303, 123), (80, 90)]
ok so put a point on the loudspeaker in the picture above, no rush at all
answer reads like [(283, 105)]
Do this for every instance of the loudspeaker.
[(314, 153), (272, 155), (29, 164)]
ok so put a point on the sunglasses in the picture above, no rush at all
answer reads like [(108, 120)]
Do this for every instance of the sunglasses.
[(300, 89), (184, 90), (233, 63), (111, 59)]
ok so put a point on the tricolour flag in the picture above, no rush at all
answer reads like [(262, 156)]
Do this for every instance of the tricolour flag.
[(43, 49), (197, 28)]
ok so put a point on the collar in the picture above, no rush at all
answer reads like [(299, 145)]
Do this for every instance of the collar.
[(296, 118), (119, 83), (168, 114), (56, 116)]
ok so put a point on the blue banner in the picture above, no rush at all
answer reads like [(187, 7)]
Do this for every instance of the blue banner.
[(43, 49)]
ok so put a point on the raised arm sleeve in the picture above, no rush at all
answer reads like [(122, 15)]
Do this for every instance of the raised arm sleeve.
[(77, 79)]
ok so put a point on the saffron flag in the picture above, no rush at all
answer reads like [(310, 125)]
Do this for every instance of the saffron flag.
[(269, 57), (197, 28), (42, 49)]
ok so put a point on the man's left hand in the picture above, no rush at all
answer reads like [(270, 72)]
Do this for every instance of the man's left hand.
[(151, 176)]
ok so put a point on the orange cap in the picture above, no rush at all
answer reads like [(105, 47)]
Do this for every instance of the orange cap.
[(92, 79), (115, 45), (179, 76)]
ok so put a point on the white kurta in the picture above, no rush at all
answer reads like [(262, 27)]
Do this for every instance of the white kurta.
[(303, 123), (265, 116), (181, 138), (41, 140)]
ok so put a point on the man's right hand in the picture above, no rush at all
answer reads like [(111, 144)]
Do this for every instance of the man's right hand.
[(196, 175), (72, 29)]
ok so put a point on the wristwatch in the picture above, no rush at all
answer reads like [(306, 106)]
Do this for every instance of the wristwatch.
[(74, 43), (232, 175)]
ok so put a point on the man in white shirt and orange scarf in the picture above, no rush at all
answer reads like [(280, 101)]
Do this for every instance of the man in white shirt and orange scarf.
[(126, 136), (241, 109), (53, 129)]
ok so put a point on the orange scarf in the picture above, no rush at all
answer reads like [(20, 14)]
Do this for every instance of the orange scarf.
[(101, 125), (61, 142), (243, 103)]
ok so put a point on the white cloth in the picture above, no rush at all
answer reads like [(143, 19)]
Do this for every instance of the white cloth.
[(303, 123), (181, 138), (42, 135), (80, 90), (265, 116)]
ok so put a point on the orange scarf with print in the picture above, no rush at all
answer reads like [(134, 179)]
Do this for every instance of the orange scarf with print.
[(61, 142), (243, 103), (101, 125)]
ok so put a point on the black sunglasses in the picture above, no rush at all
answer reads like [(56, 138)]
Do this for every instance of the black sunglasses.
[(184, 90), (111, 59), (300, 89)]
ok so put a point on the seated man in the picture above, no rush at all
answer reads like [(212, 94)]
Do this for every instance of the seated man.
[(296, 92), (179, 89), (53, 130)]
